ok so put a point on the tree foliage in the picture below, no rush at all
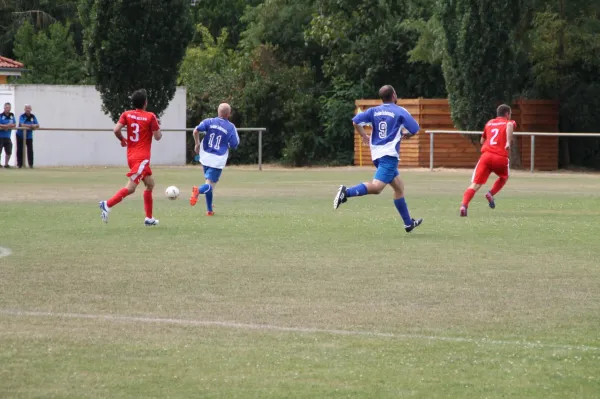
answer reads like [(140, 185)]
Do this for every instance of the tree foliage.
[(296, 66), (39, 13), (479, 63), (129, 47), (49, 54)]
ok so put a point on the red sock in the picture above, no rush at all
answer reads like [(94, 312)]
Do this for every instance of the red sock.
[(118, 197), (469, 194), (148, 203), (498, 186)]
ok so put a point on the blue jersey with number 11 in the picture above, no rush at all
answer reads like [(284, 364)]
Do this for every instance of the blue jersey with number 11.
[(387, 121), (220, 136)]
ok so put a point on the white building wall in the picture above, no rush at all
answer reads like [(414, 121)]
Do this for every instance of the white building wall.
[(79, 107)]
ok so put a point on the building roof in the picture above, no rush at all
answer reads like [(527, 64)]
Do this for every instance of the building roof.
[(8, 63)]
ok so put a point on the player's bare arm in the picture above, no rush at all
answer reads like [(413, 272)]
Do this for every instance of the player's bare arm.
[(157, 134), (362, 133), (119, 135), (196, 135), (509, 134)]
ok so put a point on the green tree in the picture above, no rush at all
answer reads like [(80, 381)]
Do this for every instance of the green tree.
[(40, 13), (129, 47), (218, 14), (282, 24), (49, 54), (479, 62), (564, 52)]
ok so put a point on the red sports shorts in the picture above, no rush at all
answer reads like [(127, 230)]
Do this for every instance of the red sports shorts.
[(139, 169), (489, 163)]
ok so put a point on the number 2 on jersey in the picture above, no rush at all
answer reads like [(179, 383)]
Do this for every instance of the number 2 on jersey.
[(493, 139), (136, 132)]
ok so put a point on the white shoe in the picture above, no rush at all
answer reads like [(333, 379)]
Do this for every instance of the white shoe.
[(151, 222), (105, 210)]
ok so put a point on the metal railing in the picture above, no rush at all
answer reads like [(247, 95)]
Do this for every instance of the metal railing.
[(260, 131), (533, 135)]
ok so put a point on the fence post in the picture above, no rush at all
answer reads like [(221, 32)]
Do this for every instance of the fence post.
[(532, 162), (260, 149), (431, 151), (24, 152)]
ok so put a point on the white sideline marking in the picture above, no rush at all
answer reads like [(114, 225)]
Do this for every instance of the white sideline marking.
[(4, 252), (244, 326)]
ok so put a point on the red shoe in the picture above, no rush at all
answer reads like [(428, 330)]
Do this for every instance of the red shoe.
[(194, 197), (463, 211), (210, 213)]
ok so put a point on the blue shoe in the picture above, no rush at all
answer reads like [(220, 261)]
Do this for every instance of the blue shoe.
[(414, 225), (105, 210), (490, 199), (150, 222)]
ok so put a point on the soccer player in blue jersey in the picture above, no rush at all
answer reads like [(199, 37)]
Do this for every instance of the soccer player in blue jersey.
[(219, 136), (387, 120)]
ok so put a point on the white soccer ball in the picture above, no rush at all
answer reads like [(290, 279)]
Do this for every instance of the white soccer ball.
[(172, 192)]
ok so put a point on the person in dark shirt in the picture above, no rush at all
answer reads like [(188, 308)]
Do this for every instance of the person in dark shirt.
[(26, 119), (7, 123)]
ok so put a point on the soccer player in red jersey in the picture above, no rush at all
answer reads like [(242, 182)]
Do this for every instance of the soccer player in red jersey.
[(142, 126), (496, 140)]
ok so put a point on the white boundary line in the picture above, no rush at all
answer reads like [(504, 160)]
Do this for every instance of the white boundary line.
[(303, 330), (4, 252)]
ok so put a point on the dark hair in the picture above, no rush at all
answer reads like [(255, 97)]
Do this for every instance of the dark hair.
[(386, 93), (503, 110), (138, 98), (5, 104)]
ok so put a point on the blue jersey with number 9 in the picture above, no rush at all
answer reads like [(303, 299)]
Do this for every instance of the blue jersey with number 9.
[(220, 135), (387, 121)]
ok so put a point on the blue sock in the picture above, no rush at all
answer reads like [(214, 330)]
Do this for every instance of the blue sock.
[(204, 188), (403, 209), (209, 197), (357, 191)]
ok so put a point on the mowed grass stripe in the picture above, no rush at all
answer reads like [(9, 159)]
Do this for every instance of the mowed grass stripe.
[(304, 330)]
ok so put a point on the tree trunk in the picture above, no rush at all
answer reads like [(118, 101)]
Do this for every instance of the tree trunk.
[(515, 155)]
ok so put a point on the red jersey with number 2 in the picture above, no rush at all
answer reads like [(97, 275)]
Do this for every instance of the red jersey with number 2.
[(495, 136), (140, 125)]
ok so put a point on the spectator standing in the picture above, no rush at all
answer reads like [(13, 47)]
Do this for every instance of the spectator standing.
[(7, 123), (26, 119)]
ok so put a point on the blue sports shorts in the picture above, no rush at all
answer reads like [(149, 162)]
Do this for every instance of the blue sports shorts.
[(212, 174), (387, 169)]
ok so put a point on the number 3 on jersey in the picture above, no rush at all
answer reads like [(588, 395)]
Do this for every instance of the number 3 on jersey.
[(136, 132), (493, 139)]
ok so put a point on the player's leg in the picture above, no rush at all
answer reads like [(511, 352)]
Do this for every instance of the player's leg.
[(212, 176), (400, 203), (502, 169), (480, 175), (19, 152), (106, 206), (7, 151), (30, 152), (148, 201), (138, 171), (387, 168)]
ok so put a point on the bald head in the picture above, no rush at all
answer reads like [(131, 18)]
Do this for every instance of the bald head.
[(224, 111), (388, 94)]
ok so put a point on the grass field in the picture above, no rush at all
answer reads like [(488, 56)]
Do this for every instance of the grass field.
[(279, 296)]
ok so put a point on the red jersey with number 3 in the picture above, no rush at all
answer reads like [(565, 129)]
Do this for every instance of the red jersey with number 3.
[(495, 136), (140, 125)]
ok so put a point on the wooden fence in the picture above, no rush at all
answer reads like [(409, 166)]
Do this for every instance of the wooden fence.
[(457, 151)]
